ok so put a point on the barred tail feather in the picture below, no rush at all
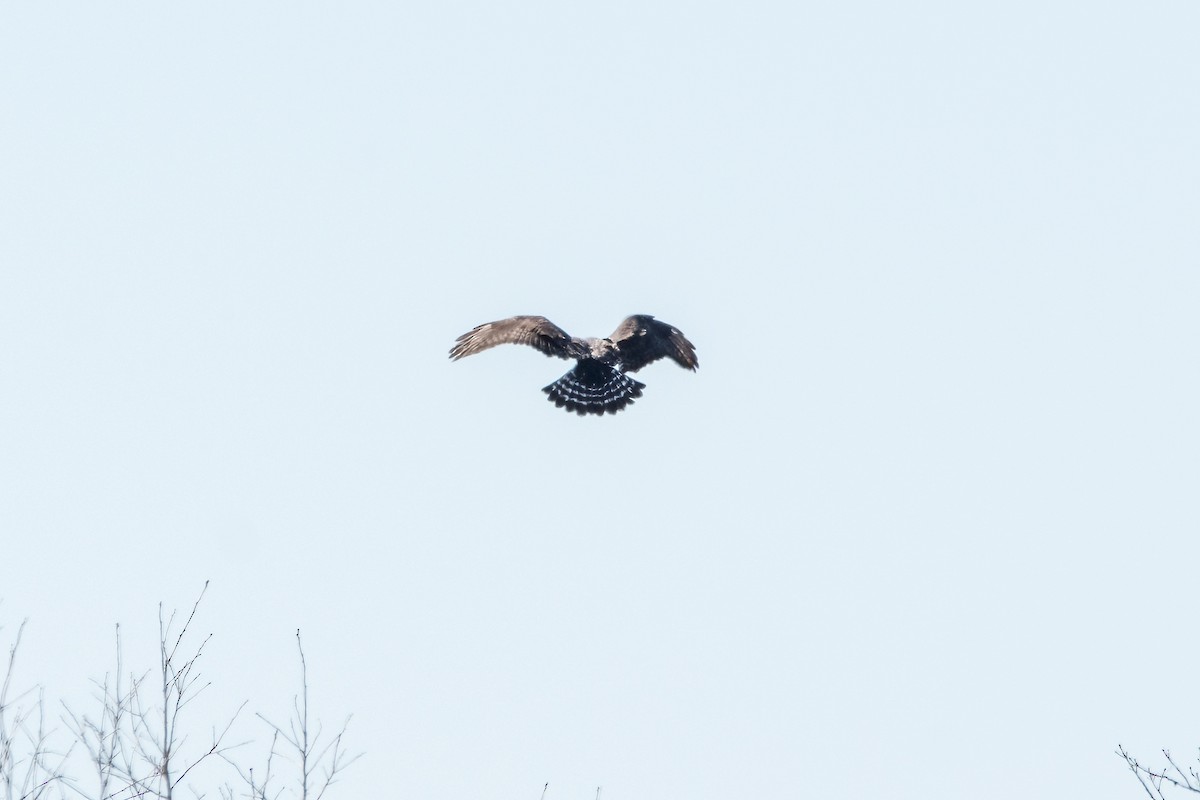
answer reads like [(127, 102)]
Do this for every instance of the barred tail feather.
[(593, 388)]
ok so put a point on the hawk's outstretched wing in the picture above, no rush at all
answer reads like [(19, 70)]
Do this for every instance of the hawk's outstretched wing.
[(643, 340), (536, 332)]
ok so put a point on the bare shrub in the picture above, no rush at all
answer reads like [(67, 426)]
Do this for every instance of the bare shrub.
[(136, 740)]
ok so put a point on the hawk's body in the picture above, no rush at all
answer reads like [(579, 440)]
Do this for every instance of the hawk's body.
[(598, 383)]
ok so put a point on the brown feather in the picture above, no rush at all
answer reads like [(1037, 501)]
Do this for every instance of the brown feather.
[(537, 332)]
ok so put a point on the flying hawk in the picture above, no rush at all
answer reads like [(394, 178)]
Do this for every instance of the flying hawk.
[(597, 383)]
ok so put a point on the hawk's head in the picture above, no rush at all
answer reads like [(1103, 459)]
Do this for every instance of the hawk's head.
[(603, 350)]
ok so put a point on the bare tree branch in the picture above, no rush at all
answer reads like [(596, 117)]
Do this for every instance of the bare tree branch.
[(1153, 781), (331, 759), (137, 743), (29, 768)]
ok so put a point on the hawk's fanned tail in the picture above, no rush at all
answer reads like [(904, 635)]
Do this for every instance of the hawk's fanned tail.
[(594, 388)]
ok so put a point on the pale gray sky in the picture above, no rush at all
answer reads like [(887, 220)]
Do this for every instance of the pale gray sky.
[(924, 524)]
